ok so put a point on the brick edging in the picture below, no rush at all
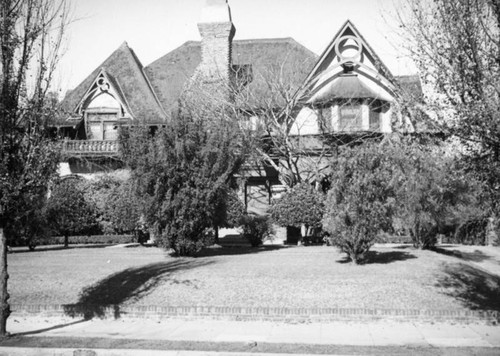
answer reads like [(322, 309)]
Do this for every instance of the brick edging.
[(262, 313)]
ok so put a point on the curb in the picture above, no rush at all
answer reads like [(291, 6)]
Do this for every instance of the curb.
[(254, 313), (28, 351)]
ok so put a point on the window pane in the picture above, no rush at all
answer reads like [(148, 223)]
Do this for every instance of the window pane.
[(374, 120), (101, 125), (350, 118), (110, 132), (95, 131)]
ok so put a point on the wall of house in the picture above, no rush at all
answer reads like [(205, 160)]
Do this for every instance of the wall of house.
[(257, 196), (385, 120), (306, 123)]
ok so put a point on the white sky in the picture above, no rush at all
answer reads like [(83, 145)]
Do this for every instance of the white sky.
[(154, 27)]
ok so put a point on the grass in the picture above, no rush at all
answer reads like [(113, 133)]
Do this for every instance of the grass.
[(393, 277)]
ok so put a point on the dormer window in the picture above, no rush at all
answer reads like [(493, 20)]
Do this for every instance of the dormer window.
[(355, 115), (351, 117)]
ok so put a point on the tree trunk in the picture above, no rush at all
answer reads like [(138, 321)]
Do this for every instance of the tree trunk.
[(4, 295), (491, 233), (303, 234), (216, 235), (66, 243)]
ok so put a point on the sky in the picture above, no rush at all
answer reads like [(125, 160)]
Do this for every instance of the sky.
[(153, 28)]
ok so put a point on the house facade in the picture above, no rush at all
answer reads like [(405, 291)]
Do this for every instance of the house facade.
[(346, 90)]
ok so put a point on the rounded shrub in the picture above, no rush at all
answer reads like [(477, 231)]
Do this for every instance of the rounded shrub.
[(256, 229), (302, 205)]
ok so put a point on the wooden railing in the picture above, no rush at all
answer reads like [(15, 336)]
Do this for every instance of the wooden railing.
[(90, 148)]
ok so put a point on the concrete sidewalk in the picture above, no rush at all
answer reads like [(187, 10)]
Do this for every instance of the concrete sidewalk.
[(382, 333), (12, 351)]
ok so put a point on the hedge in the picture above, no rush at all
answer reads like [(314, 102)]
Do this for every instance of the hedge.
[(94, 239)]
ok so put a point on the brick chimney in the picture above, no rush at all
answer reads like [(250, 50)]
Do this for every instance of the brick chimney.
[(217, 32)]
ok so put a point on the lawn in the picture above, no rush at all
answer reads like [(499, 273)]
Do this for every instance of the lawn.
[(393, 277)]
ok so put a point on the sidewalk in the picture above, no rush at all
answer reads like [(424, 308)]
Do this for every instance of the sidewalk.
[(250, 333)]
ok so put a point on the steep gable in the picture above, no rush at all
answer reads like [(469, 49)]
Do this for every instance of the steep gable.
[(348, 52), (125, 71), (331, 55)]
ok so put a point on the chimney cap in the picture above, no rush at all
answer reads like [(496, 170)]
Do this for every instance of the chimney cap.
[(215, 11)]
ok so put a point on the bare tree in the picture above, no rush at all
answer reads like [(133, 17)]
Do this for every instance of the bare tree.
[(298, 153), (270, 112), (31, 34)]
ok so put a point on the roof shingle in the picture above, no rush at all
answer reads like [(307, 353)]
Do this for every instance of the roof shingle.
[(153, 92), (270, 61)]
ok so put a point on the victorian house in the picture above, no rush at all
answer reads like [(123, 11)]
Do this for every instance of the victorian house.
[(345, 91)]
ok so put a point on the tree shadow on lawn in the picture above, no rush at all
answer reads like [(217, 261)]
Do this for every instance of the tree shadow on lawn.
[(476, 256), (46, 248), (128, 285), (473, 287), (237, 250), (376, 257)]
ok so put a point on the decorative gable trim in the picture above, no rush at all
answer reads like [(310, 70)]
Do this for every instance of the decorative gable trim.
[(347, 52), (104, 84)]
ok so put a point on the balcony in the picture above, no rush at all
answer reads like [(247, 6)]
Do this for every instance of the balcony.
[(90, 148)]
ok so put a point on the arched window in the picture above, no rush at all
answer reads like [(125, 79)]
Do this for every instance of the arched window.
[(102, 107), (101, 116)]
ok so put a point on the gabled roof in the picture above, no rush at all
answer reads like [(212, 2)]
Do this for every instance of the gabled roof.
[(151, 94), (124, 69), (410, 86), (268, 58)]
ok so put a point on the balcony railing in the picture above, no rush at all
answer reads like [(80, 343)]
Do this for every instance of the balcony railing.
[(90, 148)]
